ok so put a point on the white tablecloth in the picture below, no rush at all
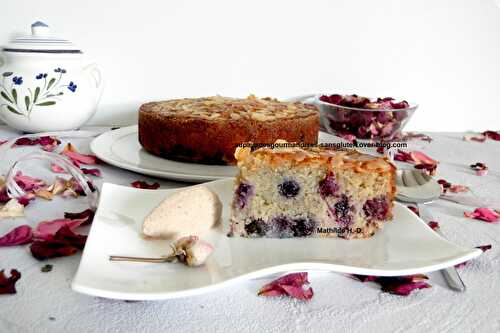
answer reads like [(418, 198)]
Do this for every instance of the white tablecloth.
[(45, 302)]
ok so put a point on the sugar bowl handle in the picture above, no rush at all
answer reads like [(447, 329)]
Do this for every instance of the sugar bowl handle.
[(96, 79)]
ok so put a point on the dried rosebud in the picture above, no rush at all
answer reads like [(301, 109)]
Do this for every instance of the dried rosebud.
[(192, 251)]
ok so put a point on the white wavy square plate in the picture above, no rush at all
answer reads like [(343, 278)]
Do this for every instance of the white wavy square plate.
[(404, 246)]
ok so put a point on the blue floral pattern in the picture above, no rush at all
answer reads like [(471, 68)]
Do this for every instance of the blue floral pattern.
[(18, 80), (46, 94)]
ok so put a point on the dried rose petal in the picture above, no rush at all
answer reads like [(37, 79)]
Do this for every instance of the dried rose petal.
[(414, 209), (87, 214), (364, 278), (480, 168), (12, 209), (48, 143), (484, 214), (26, 142), (17, 236), (492, 135), (380, 149), (56, 168), (429, 169), (458, 188), (483, 248), (46, 229), (28, 183), (411, 136), (348, 137), (144, 185), (3, 141), (404, 289), (398, 285), (4, 198), (64, 243), (402, 156), (291, 285), (433, 225), (8, 284), (447, 186), (94, 172), (78, 158), (26, 199), (475, 137), (420, 158)]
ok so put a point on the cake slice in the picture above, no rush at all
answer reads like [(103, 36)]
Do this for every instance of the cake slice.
[(312, 192), (188, 212)]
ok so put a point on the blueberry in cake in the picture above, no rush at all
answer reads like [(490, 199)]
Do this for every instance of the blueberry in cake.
[(207, 130), (285, 191)]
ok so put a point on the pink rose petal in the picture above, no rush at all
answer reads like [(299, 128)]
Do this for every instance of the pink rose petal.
[(420, 158), (291, 285), (48, 143), (56, 168), (47, 229), (78, 158), (28, 183), (348, 137), (17, 236), (484, 214)]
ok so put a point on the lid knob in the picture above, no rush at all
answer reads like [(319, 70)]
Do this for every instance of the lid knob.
[(40, 29)]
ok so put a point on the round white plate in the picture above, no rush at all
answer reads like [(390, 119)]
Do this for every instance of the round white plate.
[(121, 148), (404, 246)]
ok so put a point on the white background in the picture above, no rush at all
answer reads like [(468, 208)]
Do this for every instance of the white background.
[(443, 54)]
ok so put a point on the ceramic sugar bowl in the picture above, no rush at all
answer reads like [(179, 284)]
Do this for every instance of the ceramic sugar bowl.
[(43, 84)]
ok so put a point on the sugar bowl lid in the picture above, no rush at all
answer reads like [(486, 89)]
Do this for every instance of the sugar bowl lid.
[(40, 41)]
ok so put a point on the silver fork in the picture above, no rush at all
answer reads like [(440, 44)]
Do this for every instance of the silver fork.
[(418, 188)]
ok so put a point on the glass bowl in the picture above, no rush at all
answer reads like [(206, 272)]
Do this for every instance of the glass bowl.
[(375, 124)]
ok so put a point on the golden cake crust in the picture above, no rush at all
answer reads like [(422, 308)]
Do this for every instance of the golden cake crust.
[(207, 130)]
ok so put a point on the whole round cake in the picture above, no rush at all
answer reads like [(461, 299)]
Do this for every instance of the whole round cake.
[(208, 130)]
